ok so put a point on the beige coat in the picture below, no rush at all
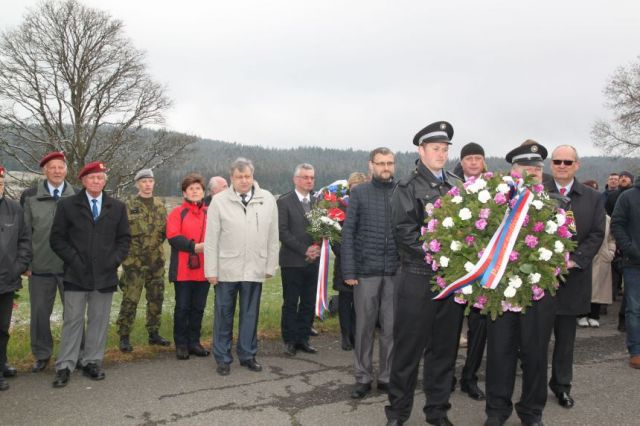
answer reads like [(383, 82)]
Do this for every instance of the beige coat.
[(241, 244), (601, 282)]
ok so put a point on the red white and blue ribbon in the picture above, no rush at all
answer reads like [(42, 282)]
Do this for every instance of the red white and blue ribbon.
[(323, 280), (493, 262)]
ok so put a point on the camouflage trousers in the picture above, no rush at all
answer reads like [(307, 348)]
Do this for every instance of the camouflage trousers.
[(131, 283)]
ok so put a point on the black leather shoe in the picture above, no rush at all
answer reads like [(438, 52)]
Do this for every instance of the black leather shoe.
[(156, 339), (182, 352), (535, 423), (306, 347), (289, 349), (442, 421), (346, 344), (3, 384), (472, 390), (383, 387), (251, 364), (125, 345), (394, 422), (39, 365), (8, 371), (493, 421), (62, 378), (198, 350), (93, 372), (223, 369), (313, 332), (361, 390), (565, 400)]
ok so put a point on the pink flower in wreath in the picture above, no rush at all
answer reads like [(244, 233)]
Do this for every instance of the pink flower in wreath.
[(434, 266), (558, 271), (481, 301), (506, 306), (500, 198), (438, 203), (431, 225), (441, 282), (525, 222), (454, 191), (480, 253), (531, 241), (467, 183), (458, 300), (434, 246), (484, 213), (538, 293), (428, 258), (481, 224), (516, 175), (538, 227), (513, 256), (488, 175), (469, 239), (537, 188), (563, 232)]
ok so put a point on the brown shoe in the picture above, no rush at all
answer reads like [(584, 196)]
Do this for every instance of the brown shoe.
[(634, 361)]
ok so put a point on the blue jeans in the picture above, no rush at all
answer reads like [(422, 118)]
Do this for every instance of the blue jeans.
[(224, 310), (191, 298), (632, 311)]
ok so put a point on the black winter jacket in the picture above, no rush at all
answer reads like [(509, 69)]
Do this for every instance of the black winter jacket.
[(15, 245), (368, 247), (625, 225)]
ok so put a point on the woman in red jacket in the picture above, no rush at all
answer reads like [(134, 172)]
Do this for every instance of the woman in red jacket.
[(185, 233)]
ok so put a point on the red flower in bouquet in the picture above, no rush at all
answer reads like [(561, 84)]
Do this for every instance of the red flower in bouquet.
[(336, 214)]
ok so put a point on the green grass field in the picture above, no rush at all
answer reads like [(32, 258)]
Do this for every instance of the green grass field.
[(19, 352)]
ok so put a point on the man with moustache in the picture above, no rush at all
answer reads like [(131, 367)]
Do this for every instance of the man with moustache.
[(369, 261), (299, 261), (144, 266), (90, 233), (423, 328), (240, 251), (524, 336), (46, 269), (574, 294)]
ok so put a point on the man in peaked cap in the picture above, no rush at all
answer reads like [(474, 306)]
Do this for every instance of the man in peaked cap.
[(46, 269), (90, 233), (436, 339), (513, 334), (144, 267)]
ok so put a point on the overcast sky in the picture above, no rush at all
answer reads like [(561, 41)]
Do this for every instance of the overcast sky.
[(368, 73)]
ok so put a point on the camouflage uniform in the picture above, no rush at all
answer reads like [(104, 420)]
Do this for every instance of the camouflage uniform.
[(144, 267)]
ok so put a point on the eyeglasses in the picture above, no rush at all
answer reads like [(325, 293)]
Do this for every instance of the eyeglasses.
[(565, 162), (385, 163)]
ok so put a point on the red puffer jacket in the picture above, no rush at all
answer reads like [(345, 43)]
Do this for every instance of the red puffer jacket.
[(186, 226)]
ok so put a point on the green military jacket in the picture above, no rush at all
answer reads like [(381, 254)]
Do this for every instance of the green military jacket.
[(148, 232)]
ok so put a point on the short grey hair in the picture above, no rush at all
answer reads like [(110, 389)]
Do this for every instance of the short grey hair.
[(305, 166), (241, 164)]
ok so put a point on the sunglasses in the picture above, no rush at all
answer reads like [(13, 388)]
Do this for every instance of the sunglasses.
[(565, 162)]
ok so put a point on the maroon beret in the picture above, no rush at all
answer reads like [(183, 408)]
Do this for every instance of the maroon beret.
[(93, 167), (52, 156), (2, 170)]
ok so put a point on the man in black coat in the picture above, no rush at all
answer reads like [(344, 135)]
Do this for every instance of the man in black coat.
[(298, 262), (423, 327), (90, 233), (574, 295)]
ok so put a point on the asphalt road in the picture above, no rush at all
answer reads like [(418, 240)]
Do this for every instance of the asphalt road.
[(305, 390)]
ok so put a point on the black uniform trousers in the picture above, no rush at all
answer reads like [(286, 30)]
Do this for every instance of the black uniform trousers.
[(564, 332), (299, 286), (6, 307), (526, 335), (423, 328), (476, 342)]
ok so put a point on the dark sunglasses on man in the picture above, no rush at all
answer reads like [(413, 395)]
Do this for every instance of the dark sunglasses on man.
[(565, 162)]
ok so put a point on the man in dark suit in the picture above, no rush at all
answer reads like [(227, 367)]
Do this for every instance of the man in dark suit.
[(298, 262), (90, 233), (574, 295)]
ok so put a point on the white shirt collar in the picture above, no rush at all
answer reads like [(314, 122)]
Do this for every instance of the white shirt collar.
[(51, 188), (302, 197)]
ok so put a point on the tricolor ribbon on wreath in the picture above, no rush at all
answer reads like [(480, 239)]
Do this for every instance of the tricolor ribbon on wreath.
[(322, 304), (488, 271)]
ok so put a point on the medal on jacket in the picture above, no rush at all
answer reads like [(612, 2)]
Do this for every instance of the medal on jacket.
[(571, 222)]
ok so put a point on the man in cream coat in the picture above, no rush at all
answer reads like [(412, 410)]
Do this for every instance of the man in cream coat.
[(240, 251)]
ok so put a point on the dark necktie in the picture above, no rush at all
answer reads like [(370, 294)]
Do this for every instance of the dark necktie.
[(94, 209), (56, 194), (245, 199), (563, 191), (305, 205)]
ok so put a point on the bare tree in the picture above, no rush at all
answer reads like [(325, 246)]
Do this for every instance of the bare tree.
[(622, 134), (70, 80)]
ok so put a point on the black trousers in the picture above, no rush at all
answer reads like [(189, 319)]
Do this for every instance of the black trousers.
[(527, 336), (564, 331), (299, 295), (347, 315), (476, 342), (6, 307), (428, 329)]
